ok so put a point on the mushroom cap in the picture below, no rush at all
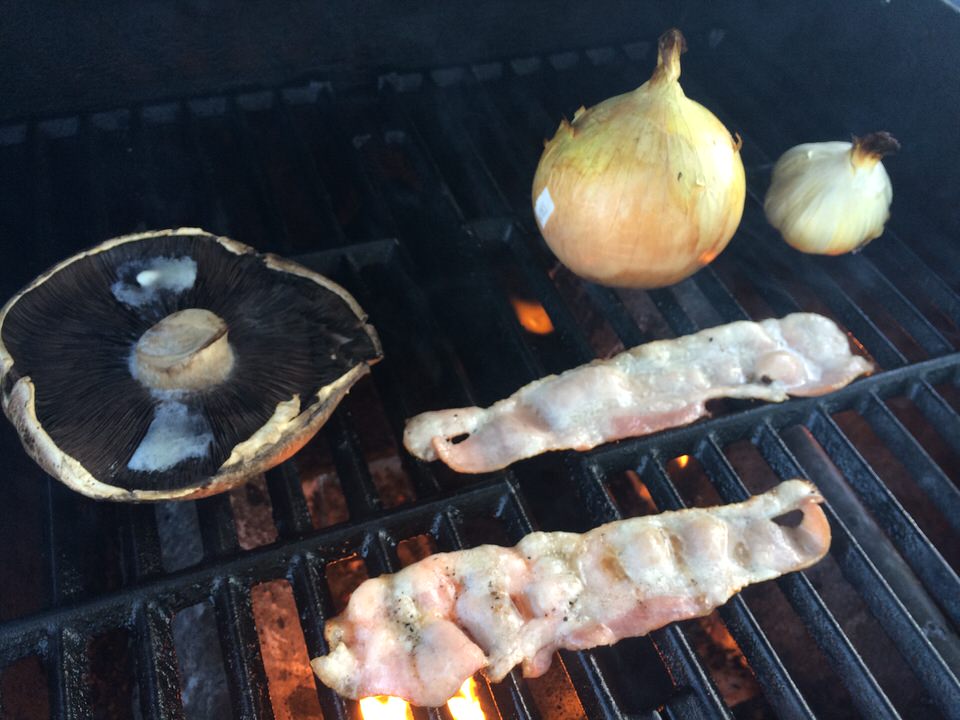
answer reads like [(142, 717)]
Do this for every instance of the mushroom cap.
[(69, 358)]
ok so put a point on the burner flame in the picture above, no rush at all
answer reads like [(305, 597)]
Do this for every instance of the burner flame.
[(384, 707), (532, 316), (465, 705)]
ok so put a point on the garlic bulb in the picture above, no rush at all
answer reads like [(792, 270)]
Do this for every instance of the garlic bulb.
[(644, 188), (831, 197)]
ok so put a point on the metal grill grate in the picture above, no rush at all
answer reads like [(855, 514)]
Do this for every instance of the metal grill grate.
[(443, 161)]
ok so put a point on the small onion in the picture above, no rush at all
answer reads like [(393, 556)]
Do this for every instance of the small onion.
[(644, 188), (830, 198)]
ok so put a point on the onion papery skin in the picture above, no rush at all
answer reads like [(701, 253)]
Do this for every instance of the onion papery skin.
[(646, 188), (825, 199)]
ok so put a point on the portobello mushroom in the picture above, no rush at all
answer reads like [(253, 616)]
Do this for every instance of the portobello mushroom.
[(175, 364)]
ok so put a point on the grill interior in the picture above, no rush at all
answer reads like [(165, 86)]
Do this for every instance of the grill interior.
[(414, 194)]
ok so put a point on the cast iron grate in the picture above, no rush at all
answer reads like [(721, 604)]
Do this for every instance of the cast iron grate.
[(442, 161)]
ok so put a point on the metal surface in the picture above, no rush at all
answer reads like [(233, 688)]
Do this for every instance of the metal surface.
[(443, 162)]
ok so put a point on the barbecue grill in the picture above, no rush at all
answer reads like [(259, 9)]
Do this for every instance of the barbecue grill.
[(404, 174)]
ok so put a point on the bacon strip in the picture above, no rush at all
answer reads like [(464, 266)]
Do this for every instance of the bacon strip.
[(652, 387), (419, 633)]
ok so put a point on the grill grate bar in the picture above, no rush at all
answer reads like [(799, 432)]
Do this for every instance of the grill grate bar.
[(512, 694), (390, 387), (502, 148), (66, 664), (577, 348), (356, 482), (617, 315), (934, 247), (901, 265), (269, 211), (435, 117), (97, 211), (140, 541), (290, 513), (217, 527), (940, 580), (332, 230), (211, 211), (866, 694), (246, 675), (721, 299), (768, 287), (314, 604), (924, 470), (585, 672), (890, 298), (938, 412), (157, 665), (672, 311), (778, 687), (378, 217)]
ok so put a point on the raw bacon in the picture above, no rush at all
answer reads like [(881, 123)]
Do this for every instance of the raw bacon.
[(652, 387), (419, 633)]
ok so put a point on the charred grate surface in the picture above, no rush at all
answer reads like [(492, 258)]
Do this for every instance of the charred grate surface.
[(442, 161)]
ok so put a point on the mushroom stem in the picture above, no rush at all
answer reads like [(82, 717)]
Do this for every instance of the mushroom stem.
[(187, 350)]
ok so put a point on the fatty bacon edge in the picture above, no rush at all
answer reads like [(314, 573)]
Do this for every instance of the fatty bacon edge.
[(420, 633)]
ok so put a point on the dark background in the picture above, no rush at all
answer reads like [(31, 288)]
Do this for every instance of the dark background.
[(852, 67)]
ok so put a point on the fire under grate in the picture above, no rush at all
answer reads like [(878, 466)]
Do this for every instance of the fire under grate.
[(111, 611)]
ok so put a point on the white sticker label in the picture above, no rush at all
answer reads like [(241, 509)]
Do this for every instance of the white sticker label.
[(543, 208)]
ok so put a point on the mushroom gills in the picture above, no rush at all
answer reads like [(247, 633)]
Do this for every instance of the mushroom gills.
[(187, 350)]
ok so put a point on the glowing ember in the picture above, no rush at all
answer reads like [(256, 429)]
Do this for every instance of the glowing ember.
[(384, 707), (532, 316), (465, 705), (683, 461)]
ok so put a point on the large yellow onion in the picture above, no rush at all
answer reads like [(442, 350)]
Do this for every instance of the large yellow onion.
[(644, 188)]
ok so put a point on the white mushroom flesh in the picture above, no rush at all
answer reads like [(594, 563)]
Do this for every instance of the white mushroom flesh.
[(156, 274), (177, 433)]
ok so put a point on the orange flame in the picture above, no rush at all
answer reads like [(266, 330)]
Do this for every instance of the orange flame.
[(384, 707), (532, 316), (683, 461), (465, 705)]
